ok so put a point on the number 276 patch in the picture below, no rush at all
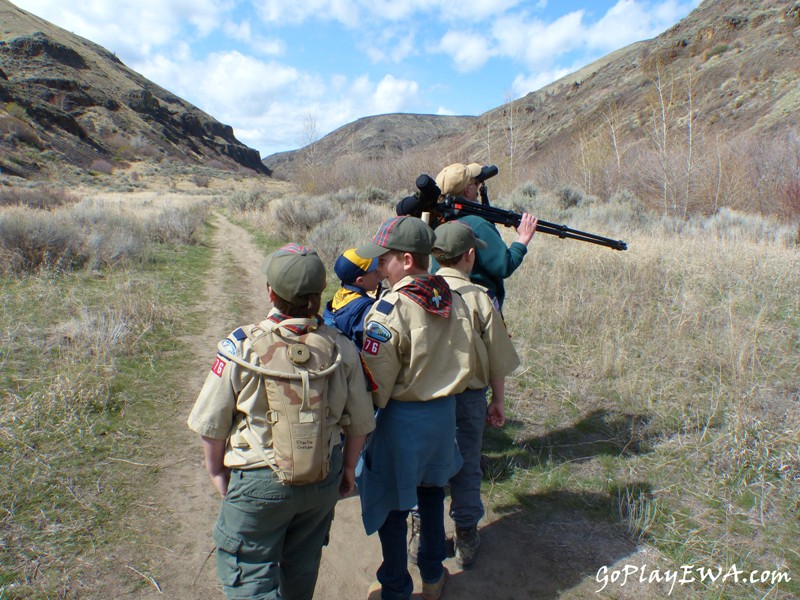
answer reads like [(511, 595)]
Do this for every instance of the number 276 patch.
[(371, 346)]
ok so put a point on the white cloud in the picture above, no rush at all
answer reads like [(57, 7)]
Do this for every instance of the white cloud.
[(297, 11), (525, 84), (631, 21), (243, 33), (132, 29), (394, 95), (390, 45), (468, 50)]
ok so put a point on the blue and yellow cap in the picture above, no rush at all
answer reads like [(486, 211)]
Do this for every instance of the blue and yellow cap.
[(350, 266)]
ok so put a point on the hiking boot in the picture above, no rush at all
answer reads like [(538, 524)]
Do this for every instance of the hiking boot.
[(413, 542), (374, 591), (433, 591), (467, 543)]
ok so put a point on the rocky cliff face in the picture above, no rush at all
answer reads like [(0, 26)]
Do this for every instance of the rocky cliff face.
[(66, 100)]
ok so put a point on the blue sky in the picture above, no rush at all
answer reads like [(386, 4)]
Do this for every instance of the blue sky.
[(267, 67)]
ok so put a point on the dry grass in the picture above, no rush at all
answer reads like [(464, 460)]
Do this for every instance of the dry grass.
[(690, 338), (91, 234), (81, 376), (330, 223)]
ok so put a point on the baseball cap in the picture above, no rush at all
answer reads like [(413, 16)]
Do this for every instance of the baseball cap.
[(454, 178), (406, 234), (454, 238), (294, 271), (350, 265)]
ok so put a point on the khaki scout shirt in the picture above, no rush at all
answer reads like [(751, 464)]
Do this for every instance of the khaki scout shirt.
[(496, 354), (233, 393), (425, 356)]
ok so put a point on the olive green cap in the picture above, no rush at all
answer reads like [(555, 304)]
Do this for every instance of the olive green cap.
[(294, 271), (454, 238)]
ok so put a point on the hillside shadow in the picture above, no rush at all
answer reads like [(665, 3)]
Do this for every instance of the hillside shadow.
[(544, 545)]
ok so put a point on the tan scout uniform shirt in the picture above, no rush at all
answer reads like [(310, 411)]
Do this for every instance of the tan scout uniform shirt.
[(426, 357), (233, 393), (496, 356)]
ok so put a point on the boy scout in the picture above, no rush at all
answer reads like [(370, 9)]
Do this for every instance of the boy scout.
[(271, 416), (360, 282), (455, 250), (418, 344)]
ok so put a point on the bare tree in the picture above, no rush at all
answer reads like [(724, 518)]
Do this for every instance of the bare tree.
[(511, 131), (309, 139)]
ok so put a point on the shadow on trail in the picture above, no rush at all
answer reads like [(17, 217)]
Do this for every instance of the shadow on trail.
[(541, 557), (545, 542)]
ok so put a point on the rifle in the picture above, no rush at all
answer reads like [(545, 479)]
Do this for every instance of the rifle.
[(450, 208)]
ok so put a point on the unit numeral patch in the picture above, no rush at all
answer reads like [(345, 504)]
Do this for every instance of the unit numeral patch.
[(371, 346), (219, 366)]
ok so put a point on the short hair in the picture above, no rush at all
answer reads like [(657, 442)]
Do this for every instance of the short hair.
[(438, 254), (307, 310), (420, 261)]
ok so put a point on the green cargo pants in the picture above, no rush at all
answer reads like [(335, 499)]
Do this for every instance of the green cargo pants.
[(269, 536)]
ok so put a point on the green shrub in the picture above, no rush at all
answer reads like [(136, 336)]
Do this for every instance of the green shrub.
[(718, 49), (16, 110)]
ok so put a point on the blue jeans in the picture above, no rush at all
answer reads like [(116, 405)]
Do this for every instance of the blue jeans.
[(396, 583), (269, 536), (466, 508)]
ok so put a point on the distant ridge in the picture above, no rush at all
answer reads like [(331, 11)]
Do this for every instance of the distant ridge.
[(739, 61), (74, 102)]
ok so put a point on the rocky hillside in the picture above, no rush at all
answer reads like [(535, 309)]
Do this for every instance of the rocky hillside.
[(66, 101), (370, 138), (731, 67)]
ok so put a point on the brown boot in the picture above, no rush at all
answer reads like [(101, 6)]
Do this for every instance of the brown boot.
[(467, 543), (433, 591)]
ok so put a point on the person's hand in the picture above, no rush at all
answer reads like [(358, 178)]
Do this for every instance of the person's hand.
[(348, 483), (221, 480), (527, 228), (496, 415)]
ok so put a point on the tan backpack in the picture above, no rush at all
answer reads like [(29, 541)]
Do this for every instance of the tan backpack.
[(295, 371)]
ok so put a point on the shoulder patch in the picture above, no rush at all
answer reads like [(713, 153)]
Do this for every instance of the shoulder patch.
[(239, 334), (371, 346), (384, 307), (377, 331), (229, 346), (219, 366)]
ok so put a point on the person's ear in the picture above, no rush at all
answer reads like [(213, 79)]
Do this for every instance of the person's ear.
[(408, 260), (272, 294)]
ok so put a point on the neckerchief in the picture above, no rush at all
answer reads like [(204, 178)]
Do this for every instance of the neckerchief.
[(279, 317), (346, 294), (431, 292)]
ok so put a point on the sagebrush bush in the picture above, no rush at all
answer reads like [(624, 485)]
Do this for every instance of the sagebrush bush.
[(91, 234), (297, 216), (252, 200), (20, 130), (37, 240), (44, 197), (527, 189), (100, 165), (178, 225)]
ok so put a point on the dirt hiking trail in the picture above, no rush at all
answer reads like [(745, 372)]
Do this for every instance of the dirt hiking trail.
[(518, 559)]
